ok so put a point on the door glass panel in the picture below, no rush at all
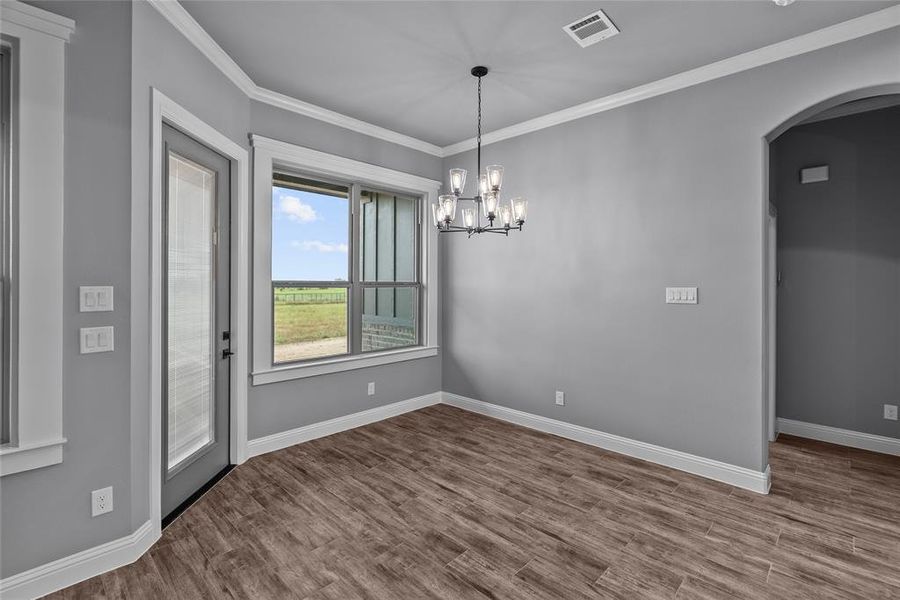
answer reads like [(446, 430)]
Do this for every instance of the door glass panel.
[(191, 288)]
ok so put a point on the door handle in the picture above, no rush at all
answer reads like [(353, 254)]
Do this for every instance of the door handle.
[(227, 353)]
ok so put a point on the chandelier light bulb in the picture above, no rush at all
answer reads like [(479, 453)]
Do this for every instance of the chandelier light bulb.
[(457, 181), (448, 207), (436, 214), (489, 204), (505, 215), (483, 185), (468, 217), (520, 209), (495, 177)]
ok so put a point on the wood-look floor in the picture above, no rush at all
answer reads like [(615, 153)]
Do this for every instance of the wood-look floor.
[(441, 503)]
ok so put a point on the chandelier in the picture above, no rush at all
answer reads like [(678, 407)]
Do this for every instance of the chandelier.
[(509, 215)]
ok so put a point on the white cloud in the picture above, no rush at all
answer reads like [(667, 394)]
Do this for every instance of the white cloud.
[(296, 209), (317, 246)]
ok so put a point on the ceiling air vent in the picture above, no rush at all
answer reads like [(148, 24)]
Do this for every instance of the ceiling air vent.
[(591, 29)]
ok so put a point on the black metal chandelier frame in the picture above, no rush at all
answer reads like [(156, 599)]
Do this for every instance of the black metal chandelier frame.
[(445, 225)]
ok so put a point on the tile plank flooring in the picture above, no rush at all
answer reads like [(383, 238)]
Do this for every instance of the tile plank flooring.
[(442, 503)]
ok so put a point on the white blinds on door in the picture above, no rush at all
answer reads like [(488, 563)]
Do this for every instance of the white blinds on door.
[(191, 287)]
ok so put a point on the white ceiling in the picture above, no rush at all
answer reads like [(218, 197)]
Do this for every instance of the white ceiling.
[(405, 65)]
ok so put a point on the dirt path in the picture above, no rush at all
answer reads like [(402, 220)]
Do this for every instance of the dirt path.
[(314, 349)]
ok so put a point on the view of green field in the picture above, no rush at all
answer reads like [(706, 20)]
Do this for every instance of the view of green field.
[(309, 322)]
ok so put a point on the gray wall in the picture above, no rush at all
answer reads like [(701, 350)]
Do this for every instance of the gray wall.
[(664, 192), (839, 253), (45, 514)]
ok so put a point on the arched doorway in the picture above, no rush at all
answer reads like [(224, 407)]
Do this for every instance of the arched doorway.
[(838, 107)]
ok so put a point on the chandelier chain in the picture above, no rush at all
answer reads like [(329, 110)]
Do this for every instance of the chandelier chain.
[(478, 172)]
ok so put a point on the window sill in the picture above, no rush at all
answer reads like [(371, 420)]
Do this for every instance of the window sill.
[(344, 363), (15, 459)]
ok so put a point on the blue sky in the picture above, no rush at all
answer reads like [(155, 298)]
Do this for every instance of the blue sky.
[(309, 236)]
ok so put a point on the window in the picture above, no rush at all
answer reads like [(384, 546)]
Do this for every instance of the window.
[(32, 66), (344, 271)]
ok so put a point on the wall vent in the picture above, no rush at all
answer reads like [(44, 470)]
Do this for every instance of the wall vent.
[(591, 29)]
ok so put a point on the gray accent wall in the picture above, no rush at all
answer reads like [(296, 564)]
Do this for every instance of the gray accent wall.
[(46, 514), (839, 255), (664, 192)]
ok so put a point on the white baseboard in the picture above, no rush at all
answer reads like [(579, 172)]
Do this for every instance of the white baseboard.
[(755, 481), (843, 437), (277, 441), (70, 570)]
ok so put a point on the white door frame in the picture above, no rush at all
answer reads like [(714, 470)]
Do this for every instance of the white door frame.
[(771, 318), (167, 110)]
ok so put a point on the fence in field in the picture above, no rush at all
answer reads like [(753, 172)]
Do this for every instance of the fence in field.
[(288, 297)]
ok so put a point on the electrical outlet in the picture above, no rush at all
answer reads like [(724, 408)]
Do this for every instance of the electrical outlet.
[(560, 398), (371, 389), (101, 501), (890, 412)]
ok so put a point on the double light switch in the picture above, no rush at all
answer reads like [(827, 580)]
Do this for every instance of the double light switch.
[(96, 298), (97, 339)]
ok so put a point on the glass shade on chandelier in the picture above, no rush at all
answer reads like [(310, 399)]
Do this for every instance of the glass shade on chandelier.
[(457, 181), (509, 215)]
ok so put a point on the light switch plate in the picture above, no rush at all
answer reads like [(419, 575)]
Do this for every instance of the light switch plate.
[(95, 298), (890, 412), (560, 398), (97, 339), (681, 295)]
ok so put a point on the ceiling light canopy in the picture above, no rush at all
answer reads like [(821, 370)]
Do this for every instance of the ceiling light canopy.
[(783, 2), (510, 214)]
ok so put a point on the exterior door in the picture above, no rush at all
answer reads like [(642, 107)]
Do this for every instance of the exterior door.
[(196, 318)]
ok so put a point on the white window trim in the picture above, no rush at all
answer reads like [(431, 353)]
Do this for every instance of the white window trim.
[(36, 422), (268, 153)]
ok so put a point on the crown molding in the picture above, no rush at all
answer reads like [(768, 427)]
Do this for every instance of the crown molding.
[(37, 19), (182, 20), (815, 40), (829, 36), (335, 118)]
